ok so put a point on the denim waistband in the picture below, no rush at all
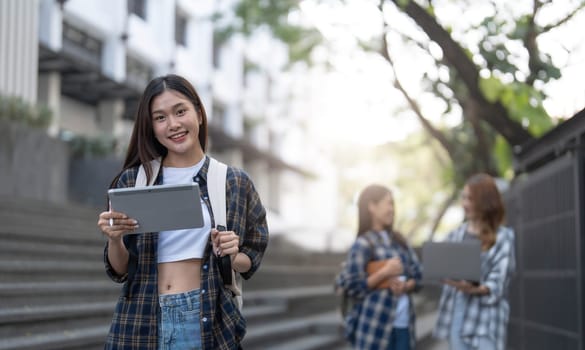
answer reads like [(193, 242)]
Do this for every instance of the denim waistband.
[(185, 298)]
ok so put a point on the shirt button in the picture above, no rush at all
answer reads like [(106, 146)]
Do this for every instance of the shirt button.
[(204, 319), (205, 267), (202, 291)]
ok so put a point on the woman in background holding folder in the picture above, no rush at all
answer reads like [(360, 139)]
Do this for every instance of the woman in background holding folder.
[(379, 274), (173, 296), (476, 316)]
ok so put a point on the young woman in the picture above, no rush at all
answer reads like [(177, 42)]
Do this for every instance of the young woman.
[(476, 316), (173, 296), (382, 316)]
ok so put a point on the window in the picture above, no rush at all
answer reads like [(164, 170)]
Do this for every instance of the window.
[(137, 7), (81, 44), (180, 29), (138, 73)]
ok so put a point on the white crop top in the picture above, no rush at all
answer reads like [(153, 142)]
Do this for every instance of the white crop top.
[(176, 245)]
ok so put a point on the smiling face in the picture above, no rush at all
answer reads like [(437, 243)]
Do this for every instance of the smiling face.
[(382, 212), (175, 123)]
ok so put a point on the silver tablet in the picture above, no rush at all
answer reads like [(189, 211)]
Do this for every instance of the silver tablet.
[(160, 208), (451, 260)]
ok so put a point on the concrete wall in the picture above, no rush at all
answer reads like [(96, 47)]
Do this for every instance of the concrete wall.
[(32, 165)]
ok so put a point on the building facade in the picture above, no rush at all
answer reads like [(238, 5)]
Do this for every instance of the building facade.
[(89, 60)]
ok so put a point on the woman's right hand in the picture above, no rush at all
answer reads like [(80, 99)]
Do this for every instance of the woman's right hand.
[(115, 224), (393, 267)]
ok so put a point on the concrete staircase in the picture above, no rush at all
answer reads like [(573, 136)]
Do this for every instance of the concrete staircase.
[(54, 293)]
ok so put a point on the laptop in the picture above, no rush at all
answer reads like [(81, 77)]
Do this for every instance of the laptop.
[(451, 260), (160, 208)]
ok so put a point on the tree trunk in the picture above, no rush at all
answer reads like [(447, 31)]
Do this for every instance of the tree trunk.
[(442, 210)]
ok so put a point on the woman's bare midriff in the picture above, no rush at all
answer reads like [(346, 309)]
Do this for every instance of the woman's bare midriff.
[(179, 276)]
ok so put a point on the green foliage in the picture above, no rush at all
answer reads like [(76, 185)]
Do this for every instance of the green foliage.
[(523, 103), (272, 14), (503, 153), (402, 3), (300, 50), (16, 109)]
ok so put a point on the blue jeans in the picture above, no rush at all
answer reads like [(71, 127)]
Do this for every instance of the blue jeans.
[(179, 327), (455, 340), (399, 339)]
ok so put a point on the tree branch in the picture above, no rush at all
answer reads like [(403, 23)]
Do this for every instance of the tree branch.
[(434, 132), (563, 20), (442, 210), (493, 113)]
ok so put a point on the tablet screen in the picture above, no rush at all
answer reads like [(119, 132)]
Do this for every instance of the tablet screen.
[(160, 208)]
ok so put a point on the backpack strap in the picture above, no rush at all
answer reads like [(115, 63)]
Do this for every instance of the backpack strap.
[(216, 181), (141, 176), (216, 187)]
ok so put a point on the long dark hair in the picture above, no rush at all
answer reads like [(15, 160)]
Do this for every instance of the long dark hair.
[(374, 194), (488, 206), (144, 146)]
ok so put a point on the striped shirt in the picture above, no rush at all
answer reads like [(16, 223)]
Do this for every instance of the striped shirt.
[(369, 323), (135, 321), (485, 315)]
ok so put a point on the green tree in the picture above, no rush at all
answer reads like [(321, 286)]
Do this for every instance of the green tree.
[(274, 15), (496, 83), (501, 108)]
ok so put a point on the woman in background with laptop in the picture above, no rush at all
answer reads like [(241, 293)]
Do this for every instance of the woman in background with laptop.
[(382, 315), (173, 295), (476, 316)]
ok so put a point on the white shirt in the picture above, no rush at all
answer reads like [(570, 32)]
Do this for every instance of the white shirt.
[(402, 312), (177, 245)]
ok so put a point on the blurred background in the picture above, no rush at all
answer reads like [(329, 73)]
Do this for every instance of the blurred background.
[(315, 99)]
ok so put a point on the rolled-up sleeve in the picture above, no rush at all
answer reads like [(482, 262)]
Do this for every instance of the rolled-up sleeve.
[(123, 181), (112, 274), (414, 269), (502, 267), (353, 277), (255, 238)]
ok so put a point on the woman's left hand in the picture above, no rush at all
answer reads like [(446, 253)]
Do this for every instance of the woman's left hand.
[(225, 243), (398, 286)]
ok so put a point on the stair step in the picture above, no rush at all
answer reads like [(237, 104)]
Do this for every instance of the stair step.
[(264, 312), (309, 342), (52, 312), (287, 293), (291, 327), (15, 248), (269, 278), (64, 339), (18, 271), (44, 231), (9, 204), (32, 266), (52, 287)]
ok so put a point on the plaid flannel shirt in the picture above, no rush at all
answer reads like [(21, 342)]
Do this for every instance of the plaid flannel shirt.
[(486, 315), (135, 321), (369, 324)]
